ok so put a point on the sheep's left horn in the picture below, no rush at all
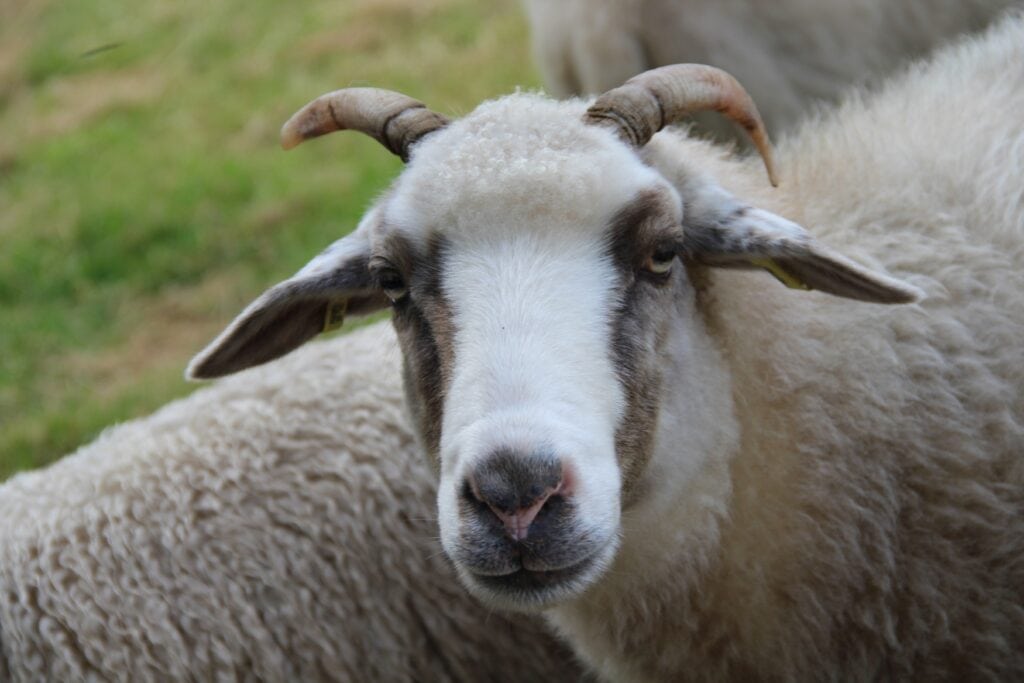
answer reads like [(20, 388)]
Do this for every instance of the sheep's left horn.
[(656, 98), (392, 119)]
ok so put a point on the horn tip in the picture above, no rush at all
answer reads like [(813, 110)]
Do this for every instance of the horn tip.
[(770, 169), (290, 137), (764, 148)]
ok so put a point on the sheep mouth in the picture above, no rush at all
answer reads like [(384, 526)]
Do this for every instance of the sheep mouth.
[(525, 588)]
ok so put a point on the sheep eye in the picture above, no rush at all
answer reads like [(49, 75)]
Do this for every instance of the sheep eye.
[(392, 282), (660, 262)]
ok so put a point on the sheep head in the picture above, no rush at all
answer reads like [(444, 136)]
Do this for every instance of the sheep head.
[(537, 268)]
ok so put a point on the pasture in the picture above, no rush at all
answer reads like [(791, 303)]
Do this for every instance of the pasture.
[(144, 199)]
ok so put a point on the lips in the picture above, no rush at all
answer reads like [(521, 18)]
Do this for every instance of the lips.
[(536, 585)]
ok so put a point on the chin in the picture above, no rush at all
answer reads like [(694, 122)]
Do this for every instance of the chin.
[(526, 590)]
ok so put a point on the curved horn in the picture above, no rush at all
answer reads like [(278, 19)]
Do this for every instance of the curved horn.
[(656, 98), (392, 119)]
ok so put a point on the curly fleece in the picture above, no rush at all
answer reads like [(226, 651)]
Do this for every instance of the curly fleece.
[(870, 522), (279, 526)]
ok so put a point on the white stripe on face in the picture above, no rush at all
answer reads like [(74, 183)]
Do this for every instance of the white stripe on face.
[(532, 366)]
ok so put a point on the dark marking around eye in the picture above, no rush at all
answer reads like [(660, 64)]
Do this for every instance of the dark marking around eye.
[(391, 280), (638, 234), (423, 321), (388, 278), (663, 254)]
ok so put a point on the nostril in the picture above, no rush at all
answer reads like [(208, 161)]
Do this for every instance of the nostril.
[(515, 489), (517, 522)]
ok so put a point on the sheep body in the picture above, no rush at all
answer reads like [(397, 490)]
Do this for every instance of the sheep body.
[(789, 54), (278, 527), (870, 521)]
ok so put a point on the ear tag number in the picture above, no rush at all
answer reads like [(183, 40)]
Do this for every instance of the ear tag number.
[(335, 315), (780, 273)]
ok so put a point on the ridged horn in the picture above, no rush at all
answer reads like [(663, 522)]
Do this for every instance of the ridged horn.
[(392, 119), (654, 99)]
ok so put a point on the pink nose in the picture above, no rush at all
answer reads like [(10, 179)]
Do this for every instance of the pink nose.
[(516, 488), (517, 523)]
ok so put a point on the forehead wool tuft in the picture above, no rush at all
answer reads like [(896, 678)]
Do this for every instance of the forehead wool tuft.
[(523, 161)]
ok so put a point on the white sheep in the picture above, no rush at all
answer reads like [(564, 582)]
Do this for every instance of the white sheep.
[(789, 54), (695, 473), (276, 527)]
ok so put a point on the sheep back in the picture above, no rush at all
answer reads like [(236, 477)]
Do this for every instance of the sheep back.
[(277, 526)]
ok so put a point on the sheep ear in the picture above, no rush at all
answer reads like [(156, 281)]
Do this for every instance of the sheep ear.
[(748, 237), (332, 285)]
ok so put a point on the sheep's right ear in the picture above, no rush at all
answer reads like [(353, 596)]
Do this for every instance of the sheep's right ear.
[(316, 299), (723, 232)]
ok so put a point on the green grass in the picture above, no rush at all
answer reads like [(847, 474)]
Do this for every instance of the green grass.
[(144, 199)]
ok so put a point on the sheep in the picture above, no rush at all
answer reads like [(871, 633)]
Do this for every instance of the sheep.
[(695, 473), (275, 527), (692, 473), (789, 54)]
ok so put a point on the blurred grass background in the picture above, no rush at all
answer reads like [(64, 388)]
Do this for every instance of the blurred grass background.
[(144, 199)]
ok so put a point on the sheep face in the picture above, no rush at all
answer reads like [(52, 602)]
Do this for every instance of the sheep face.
[(530, 313), (536, 268)]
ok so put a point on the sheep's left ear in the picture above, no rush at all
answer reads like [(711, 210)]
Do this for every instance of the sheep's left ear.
[(316, 299), (737, 236)]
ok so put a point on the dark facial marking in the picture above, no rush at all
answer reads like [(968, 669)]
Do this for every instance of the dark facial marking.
[(643, 227), (423, 322), (639, 329)]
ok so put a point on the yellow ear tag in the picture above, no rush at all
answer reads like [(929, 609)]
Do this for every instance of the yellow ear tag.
[(335, 315), (780, 274)]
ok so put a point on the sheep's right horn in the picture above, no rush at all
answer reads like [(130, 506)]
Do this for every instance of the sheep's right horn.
[(656, 98), (392, 119)]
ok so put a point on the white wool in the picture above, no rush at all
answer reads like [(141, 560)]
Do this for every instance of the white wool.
[(863, 507), (463, 180), (278, 526)]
